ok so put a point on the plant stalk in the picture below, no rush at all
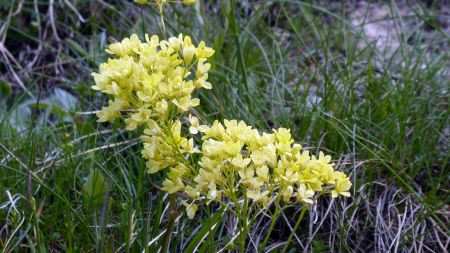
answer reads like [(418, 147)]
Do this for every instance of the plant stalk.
[(172, 217), (297, 225), (243, 235), (272, 223)]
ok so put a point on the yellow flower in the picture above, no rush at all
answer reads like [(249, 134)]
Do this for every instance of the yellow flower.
[(283, 135), (259, 196), (188, 147), (125, 47), (247, 175), (202, 68), (176, 42), (289, 178), (154, 166), (202, 83), (188, 50), (162, 109), (191, 210), (213, 192), (112, 111), (172, 186), (202, 75), (203, 52), (263, 173), (140, 117), (178, 171), (287, 194), (194, 124), (216, 131), (191, 192), (186, 103), (239, 162), (342, 185), (258, 157), (304, 195)]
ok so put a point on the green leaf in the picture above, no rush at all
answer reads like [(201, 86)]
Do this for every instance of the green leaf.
[(64, 100), (204, 231), (93, 190), (5, 90), (20, 118)]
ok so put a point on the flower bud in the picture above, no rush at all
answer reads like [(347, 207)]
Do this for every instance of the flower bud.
[(188, 53)]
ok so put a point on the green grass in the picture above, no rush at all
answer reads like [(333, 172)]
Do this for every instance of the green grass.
[(384, 118)]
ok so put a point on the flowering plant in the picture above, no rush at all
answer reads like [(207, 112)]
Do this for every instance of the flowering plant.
[(151, 84)]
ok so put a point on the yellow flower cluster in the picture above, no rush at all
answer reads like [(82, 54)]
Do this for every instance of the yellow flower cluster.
[(152, 85), (147, 78), (236, 158)]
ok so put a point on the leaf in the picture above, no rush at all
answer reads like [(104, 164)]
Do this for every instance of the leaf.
[(93, 190), (5, 90), (204, 231), (64, 100), (20, 118)]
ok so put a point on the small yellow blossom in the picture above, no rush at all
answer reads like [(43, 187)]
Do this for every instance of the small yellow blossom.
[(304, 195), (239, 162), (191, 210), (125, 47), (259, 196), (194, 124), (287, 194), (342, 185), (171, 186), (112, 111)]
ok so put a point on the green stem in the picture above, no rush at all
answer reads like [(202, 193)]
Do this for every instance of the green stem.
[(272, 223), (295, 229), (236, 34), (243, 235), (161, 14), (37, 231), (172, 217)]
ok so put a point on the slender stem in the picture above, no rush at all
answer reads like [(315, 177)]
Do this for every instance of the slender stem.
[(161, 14), (295, 229), (130, 231), (37, 231), (240, 58), (243, 235), (272, 223), (172, 217)]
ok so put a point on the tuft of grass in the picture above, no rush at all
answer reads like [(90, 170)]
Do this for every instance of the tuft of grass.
[(303, 65)]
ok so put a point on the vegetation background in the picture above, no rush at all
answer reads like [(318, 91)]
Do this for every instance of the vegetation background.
[(368, 83)]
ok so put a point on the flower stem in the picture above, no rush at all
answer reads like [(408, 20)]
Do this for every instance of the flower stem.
[(172, 217), (272, 223), (161, 14), (243, 235), (295, 229)]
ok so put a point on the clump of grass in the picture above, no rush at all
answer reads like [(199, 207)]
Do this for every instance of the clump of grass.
[(277, 63)]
